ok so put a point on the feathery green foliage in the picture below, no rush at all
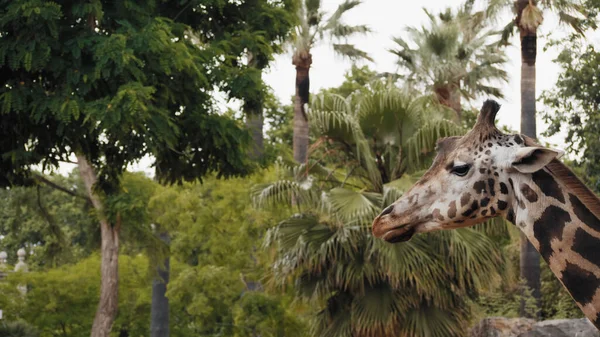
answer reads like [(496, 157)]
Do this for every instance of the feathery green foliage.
[(314, 25), (117, 82), (454, 56), (361, 285)]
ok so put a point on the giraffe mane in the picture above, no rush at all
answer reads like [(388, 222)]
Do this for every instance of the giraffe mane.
[(561, 172)]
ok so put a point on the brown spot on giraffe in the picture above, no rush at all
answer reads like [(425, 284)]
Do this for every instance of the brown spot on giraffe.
[(474, 207), (437, 214), (464, 199), (510, 216), (581, 283), (528, 193), (518, 139), (548, 185), (452, 210), (548, 227), (584, 214), (492, 182), (479, 187), (587, 246), (502, 205), (503, 188)]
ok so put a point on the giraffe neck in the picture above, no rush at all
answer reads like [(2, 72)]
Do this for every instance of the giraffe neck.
[(565, 232)]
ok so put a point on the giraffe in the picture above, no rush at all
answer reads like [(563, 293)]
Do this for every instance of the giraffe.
[(486, 174)]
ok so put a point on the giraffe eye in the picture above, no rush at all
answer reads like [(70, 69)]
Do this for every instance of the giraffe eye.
[(461, 170)]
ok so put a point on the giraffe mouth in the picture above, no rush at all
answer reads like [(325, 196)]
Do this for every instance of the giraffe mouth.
[(399, 234)]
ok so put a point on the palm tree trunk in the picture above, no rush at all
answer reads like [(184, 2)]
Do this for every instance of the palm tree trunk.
[(455, 100), (302, 61), (159, 311), (254, 123), (109, 270), (529, 257), (449, 96)]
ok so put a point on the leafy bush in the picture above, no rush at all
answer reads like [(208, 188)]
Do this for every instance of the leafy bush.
[(17, 329)]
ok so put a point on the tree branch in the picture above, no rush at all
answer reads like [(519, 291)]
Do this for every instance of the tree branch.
[(54, 185)]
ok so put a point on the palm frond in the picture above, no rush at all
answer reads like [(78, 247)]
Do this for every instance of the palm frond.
[(283, 192), (342, 125), (506, 33), (343, 31), (351, 52), (393, 190), (424, 140), (344, 7), (575, 22), (357, 207), (531, 17)]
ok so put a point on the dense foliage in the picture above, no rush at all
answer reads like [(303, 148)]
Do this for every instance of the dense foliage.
[(360, 285), (573, 107)]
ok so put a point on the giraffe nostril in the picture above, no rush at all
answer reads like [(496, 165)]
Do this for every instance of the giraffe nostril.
[(388, 210)]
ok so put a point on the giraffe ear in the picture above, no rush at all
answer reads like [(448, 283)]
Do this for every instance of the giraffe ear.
[(533, 158)]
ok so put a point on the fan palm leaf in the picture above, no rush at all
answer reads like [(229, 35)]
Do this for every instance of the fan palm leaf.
[(453, 54), (358, 284)]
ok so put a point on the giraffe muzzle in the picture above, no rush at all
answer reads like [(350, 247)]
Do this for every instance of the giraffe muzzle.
[(399, 235), (385, 229)]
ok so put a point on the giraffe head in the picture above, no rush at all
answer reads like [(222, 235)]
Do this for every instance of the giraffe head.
[(472, 179)]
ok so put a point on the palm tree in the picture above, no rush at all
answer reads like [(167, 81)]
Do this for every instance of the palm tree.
[(361, 285), (313, 27), (529, 15), (454, 57)]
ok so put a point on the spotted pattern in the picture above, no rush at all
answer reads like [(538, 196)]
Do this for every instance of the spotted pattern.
[(528, 193), (581, 283), (548, 227), (510, 216), (548, 185), (492, 182), (464, 199), (583, 213), (503, 188), (596, 321), (587, 246), (474, 207), (479, 187), (437, 214), (452, 210)]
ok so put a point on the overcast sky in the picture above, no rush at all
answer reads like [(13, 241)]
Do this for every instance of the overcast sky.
[(389, 18)]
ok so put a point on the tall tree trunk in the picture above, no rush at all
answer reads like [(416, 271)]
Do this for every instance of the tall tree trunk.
[(449, 95), (455, 100), (253, 107), (159, 311), (529, 257), (109, 270), (254, 123), (302, 61)]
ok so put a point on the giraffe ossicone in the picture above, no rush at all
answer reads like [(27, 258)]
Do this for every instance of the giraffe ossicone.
[(486, 174)]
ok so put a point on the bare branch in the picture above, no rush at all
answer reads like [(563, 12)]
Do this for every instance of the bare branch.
[(54, 185)]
